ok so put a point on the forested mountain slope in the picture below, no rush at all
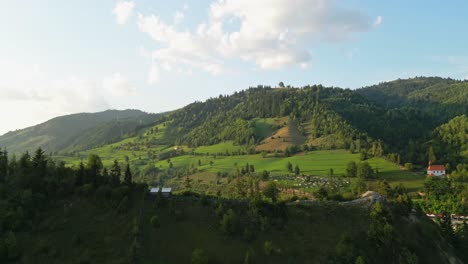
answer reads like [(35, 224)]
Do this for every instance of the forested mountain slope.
[(450, 141), (391, 117), (76, 131), (234, 117), (396, 93)]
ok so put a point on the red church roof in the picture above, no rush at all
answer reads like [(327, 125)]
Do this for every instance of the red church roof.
[(436, 168)]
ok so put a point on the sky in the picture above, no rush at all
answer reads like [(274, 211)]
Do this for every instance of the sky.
[(62, 57)]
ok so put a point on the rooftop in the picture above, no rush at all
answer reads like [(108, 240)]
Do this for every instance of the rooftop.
[(163, 189), (436, 167)]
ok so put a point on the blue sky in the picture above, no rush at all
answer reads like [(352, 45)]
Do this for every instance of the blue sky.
[(62, 57)]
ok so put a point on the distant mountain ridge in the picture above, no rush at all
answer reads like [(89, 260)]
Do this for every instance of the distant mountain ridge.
[(416, 90), (76, 131), (394, 117)]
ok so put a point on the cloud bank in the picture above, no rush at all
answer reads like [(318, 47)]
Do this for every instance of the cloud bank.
[(122, 11), (271, 34)]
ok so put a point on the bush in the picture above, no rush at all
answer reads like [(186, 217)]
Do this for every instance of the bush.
[(10, 247), (86, 189), (104, 192), (271, 191), (249, 234), (229, 223), (409, 166), (123, 205), (268, 248), (249, 256), (199, 257), (155, 223), (321, 193), (120, 192)]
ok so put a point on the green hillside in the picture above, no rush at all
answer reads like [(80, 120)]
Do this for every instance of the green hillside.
[(88, 233), (397, 93), (315, 128), (77, 131), (265, 175)]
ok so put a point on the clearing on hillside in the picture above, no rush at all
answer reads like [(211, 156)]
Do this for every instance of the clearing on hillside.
[(286, 136)]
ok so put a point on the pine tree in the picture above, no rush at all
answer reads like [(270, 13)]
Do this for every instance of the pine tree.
[(80, 174), (39, 172), (431, 154), (128, 175), (3, 165), (95, 166), (105, 175), (115, 173)]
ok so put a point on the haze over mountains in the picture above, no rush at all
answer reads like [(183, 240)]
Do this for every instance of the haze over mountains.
[(77, 131)]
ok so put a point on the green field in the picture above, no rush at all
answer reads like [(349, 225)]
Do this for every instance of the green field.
[(315, 163), (224, 147)]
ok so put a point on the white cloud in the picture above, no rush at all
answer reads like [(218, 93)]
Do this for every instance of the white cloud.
[(178, 17), (153, 74), (378, 21), (271, 34), (118, 85), (122, 11)]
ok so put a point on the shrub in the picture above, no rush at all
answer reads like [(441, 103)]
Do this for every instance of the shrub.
[(249, 234), (229, 223), (199, 257), (155, 223), (123, 205), (248, 256), (268, 247), (409, 166)]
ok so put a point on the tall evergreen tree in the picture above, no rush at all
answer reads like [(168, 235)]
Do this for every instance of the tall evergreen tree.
[(94, 166), (115, 173), (128, 175), (39, 170), (80, 175), (3, 165)]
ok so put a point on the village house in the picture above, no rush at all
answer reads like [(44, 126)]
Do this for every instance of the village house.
[(165, 191), (435, 170)]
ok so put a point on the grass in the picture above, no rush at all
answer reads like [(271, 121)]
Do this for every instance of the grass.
[(316, 163), (224, 147), (284, 137), (312, 163)]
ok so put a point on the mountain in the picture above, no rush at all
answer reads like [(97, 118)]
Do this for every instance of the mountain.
[(237, 117), (76, 131), (440, 97), (390, 117)]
